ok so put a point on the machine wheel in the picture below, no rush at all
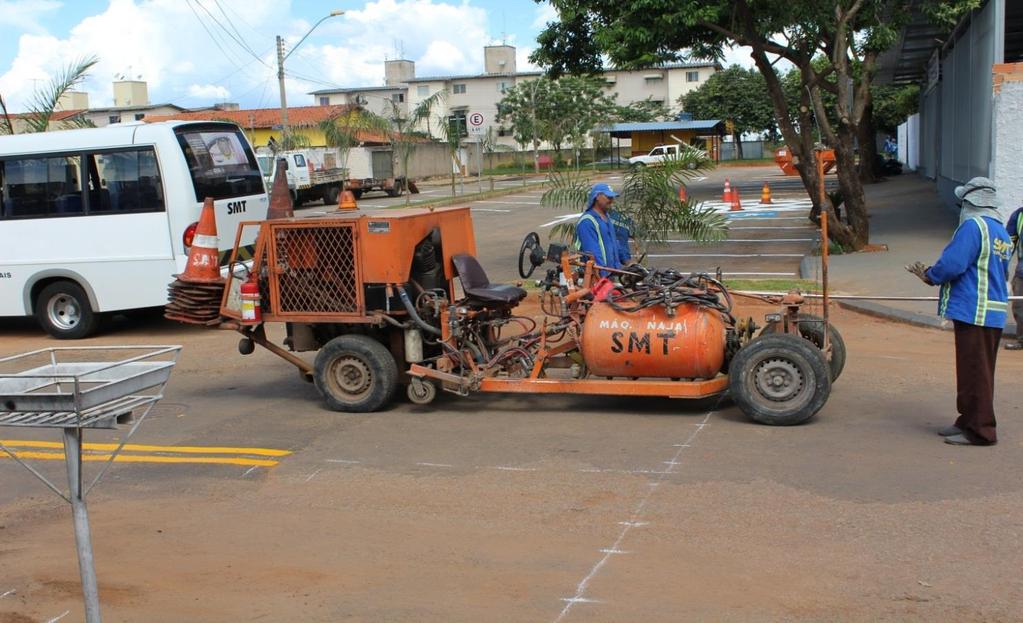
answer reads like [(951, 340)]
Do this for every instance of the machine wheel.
[(421, 391), (779, 379), (813, 330), (355, 373), (246, 346), (63, 310)]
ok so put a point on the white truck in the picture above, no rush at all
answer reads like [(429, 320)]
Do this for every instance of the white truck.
[(315, 173), (659, 154)]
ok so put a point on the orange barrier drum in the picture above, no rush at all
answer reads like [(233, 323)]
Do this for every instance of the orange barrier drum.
[(649, 343)]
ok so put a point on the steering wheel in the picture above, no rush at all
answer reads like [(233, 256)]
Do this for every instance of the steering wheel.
[(530, 248)]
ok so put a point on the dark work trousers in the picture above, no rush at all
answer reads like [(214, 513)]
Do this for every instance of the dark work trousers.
[(1017, 306), (976, 350)]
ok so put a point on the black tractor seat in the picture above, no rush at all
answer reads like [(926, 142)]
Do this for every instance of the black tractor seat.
[(477, 286)]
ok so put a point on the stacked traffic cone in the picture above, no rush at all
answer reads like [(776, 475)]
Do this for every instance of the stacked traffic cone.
[(683, 194), (765, 194), (726, 197), (736, 202), (281, 205), (196, 293), (347, 201)]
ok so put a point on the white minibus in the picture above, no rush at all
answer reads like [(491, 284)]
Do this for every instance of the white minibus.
[(98, 220)]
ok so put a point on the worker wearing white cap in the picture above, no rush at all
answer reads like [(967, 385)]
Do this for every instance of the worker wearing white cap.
[(972, 272)]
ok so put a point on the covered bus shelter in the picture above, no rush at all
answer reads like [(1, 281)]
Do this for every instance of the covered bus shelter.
[(644, 136)]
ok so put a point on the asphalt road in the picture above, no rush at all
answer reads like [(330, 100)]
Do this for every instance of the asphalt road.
[(529, 507)]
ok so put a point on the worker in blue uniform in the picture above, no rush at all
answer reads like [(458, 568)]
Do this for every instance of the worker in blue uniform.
[(1015, 228), (972, 272), (595, 233)]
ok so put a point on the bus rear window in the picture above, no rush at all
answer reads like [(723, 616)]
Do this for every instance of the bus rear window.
[(221, 163)]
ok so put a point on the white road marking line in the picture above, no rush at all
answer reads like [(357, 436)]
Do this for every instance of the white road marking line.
[(57, 618), (435, 464), (634, 524), (506, 468), (343, 461), (613, 551), (581, 588), (580, 600), (8, 593), (727, 255), (313, 475), (560, 219), (249, 470)]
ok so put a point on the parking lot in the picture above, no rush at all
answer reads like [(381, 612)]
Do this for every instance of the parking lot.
[(537, 508)]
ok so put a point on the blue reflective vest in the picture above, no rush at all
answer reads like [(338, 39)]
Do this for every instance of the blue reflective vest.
[(973, 270), (1015, 228), (597, 236)]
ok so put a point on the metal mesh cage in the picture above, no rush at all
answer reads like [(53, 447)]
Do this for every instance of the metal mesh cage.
[(314, 269)]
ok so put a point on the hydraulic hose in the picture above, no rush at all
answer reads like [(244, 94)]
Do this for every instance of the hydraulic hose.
[(414, 315)]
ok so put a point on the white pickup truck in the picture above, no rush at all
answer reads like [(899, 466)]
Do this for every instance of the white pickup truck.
[(658, 155)]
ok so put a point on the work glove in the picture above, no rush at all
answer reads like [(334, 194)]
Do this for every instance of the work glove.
[(918, 269)]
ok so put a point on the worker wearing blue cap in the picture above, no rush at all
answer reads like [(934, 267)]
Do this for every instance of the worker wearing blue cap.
[(595, 233)]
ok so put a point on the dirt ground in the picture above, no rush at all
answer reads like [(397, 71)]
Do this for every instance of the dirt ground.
[(533, 508)]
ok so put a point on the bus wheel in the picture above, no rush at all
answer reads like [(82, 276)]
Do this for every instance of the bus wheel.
[(63, 310)]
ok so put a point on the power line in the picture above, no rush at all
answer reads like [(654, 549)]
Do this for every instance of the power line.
[(213, 38), (244, 46)]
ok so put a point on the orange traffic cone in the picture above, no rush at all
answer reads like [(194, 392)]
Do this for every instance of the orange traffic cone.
[(726, 197), (281, 205), (765, 194), (736, 202), (683, 194), (347, 201), (204, 256)]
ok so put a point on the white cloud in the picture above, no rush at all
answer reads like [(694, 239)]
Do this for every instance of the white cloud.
[(208, 91), (25, 15), (187, 64), (544, 13)]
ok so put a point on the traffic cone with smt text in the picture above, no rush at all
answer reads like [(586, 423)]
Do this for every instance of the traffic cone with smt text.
[(765, 194), (726, 197), (196, 293)]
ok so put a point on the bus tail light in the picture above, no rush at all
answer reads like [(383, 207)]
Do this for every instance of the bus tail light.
[(189, 235)]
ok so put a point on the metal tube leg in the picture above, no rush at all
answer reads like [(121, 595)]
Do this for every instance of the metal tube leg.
[(80, 514)]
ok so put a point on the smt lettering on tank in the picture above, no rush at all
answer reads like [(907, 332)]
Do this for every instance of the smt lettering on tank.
[(641, 343)]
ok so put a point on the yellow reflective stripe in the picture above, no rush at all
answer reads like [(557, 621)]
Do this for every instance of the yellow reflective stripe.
[(600, 238), (997, 306), (983, 262)]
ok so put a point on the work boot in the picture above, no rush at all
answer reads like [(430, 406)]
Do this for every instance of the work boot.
[(1017, 345), (948, 431)]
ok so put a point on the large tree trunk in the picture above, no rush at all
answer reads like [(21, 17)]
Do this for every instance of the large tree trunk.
[(867, 137), (857, 233), (737, 137)]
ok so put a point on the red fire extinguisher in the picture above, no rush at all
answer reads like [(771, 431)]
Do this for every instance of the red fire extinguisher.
[(250, 301)]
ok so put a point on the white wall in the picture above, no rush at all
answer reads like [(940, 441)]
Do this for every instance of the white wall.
[(909, 142), (1007, 146)]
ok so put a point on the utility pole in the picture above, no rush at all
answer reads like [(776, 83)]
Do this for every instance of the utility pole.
[(280, 84)]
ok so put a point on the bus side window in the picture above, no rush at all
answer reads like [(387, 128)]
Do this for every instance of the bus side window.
[(129, 182), (37, 187)]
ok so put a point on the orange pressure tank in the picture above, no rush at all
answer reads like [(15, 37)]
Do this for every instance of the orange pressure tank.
[(649, 343)]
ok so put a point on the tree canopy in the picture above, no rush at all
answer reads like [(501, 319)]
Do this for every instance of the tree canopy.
[(737, 95)]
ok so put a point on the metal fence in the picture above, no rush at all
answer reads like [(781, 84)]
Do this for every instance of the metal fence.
[(751, 150)]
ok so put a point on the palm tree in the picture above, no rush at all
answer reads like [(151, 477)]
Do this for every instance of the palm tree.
[(343, 132), (403, 126), (649, 201), (44, 101)]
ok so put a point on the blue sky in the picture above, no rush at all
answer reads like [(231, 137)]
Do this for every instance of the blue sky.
[(198, 52)]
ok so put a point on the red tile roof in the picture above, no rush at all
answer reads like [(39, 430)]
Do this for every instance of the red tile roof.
[(59, 115)]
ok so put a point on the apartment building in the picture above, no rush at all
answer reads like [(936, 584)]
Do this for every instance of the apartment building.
[(480, 93)]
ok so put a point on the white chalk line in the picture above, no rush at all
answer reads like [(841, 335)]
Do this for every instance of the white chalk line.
[(344, 461), (250, 470), (313, 475), (580, 591), (57, 618), (8, 593), (435, 464)]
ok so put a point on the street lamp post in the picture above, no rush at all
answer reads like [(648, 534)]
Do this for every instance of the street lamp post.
[(281, 57)]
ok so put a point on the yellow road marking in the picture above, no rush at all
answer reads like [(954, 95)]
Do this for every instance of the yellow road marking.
[(135, 458), (17, 443)]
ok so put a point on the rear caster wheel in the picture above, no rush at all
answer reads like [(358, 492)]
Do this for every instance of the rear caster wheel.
[(246, 346), (421, 392)]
